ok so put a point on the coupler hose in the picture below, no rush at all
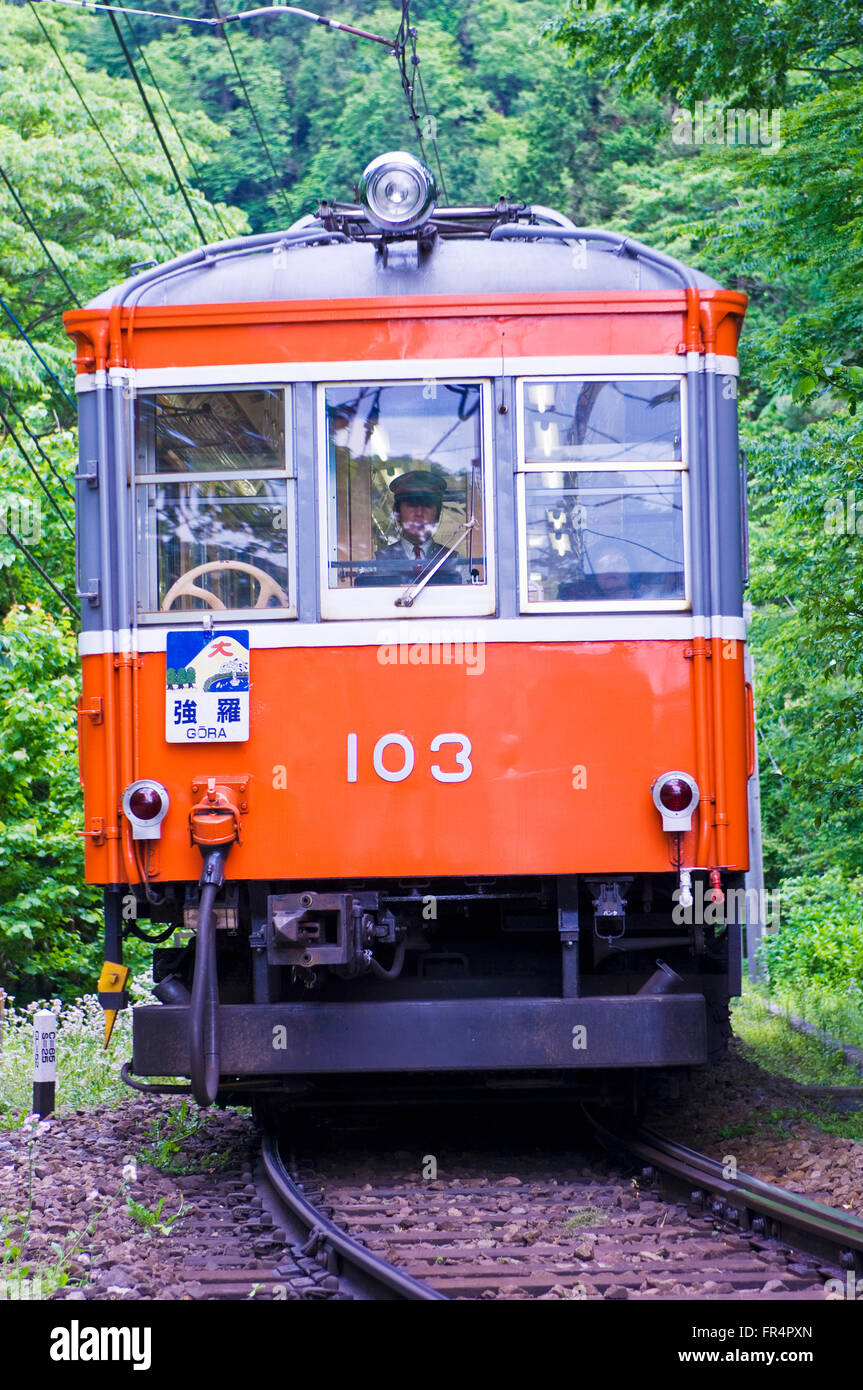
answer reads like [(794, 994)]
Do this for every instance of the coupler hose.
[(395, 969), (204, 1027)]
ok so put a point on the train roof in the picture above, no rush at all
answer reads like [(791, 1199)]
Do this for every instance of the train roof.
[(463, 251)]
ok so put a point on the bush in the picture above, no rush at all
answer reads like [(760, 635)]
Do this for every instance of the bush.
[(87, 1075), (820, 938)]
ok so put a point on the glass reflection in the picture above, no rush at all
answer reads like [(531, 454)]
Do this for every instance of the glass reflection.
[(211, 431), (404, 482), (238, 527), (574, 421), (604, 537)]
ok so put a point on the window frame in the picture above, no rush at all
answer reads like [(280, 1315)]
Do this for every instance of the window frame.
[(522, 469), (146, 566), (435, 600)]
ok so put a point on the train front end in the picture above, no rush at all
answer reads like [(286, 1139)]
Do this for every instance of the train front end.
[(415, 723)]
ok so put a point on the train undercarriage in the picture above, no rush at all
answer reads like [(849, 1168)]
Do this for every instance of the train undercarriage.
[(528, 977)]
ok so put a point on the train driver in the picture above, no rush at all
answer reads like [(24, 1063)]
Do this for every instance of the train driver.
[(417, 505), (612, 575)]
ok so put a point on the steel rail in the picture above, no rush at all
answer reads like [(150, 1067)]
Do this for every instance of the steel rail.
[(760, 1206), (360, 1272)]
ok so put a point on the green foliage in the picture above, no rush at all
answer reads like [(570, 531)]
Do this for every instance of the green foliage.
[(820, 937), (153, 1221), (807, 591), (170, 1134), (87, 1075), (838, 1015), (772, 1044), (41, 521), (581, 1218), (92, 223), (49, 920), (511, 115), (746, 50)]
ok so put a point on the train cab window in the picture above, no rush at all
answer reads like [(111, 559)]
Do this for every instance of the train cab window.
[(215, 502), (597, 421), (602, 495), (405, 521)]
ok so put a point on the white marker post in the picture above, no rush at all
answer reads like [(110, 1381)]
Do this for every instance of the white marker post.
[(44, 1062)]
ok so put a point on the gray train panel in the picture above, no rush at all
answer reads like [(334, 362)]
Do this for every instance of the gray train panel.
[(730, 501), (280, 271), (89, 576)]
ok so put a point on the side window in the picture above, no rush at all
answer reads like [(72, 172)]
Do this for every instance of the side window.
[(602, 494), (405, 515), (215, 502)]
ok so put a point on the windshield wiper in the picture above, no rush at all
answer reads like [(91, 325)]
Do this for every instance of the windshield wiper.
[(408, 596)]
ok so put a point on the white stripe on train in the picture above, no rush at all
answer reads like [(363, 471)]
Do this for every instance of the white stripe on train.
[(577, 627)]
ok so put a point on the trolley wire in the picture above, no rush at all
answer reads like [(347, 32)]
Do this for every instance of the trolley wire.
[(407, 38), (252, 110), (36, 474), (431, 119), (176, 128), (155, 124), (38, 235), (32, 346), (233, 18), (10, 535), (101, 134), (35, 438)]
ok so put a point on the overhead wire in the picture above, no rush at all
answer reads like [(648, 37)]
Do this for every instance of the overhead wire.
[(431, 118), (10, 535), (155, 124), (36, 474), (102, 136), (254, 114), (233, 18), (176, 128), (35, 438), (32, 346), (37, 234), (407, 38)]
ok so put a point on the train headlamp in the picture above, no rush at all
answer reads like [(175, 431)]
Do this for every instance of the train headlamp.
[(145, 806), (398, 191), (675, 796)]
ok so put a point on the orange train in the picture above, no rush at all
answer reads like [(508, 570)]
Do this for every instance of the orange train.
[(411, 548)]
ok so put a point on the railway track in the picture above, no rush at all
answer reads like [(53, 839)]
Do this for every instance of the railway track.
[(584, 1212), (522, 1228), (745, 1202)]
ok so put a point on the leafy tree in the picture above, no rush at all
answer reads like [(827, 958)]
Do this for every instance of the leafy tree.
[(49, 919), (510, 113), (91, 221), (40, 517), (751, 51), (785, 224)]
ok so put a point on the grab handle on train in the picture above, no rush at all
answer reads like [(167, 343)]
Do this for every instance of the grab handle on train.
[(750, 729)]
